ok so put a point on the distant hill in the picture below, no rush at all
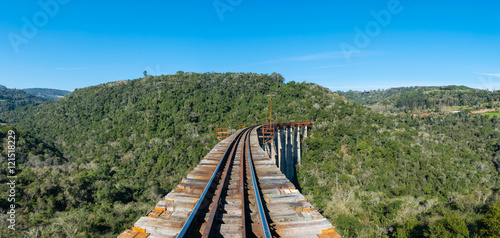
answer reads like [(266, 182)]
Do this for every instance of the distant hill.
[(433, 98), (47, 93), (11, 99), (375, 96)]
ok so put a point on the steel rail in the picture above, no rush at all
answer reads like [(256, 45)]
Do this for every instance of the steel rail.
[(192, 216), (216, 202), (264, 224), (243, 190)]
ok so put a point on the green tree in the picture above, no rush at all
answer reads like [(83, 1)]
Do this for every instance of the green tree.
[(491, 222), (451, 226)]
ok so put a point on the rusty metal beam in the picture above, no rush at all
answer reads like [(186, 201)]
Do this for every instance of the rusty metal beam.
[(222, 133)]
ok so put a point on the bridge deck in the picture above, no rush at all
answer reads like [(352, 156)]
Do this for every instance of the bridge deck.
[(290, 213), (287, 211)]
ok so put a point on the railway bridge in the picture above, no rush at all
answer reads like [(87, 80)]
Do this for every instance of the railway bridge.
[(238, 190)]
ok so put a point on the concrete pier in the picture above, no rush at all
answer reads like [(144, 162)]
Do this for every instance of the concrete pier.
[(299, 155), (286, 149), (280, 149)]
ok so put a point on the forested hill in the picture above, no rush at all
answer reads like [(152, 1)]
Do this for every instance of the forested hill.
[(444, 98), (13, 98), (375, 96), (129, 142), (125, 144), (47, 93)]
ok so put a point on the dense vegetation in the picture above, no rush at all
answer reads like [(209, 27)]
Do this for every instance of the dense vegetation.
[(47, 93), (127, 143), (418, 99), (100, 157), (13, 98), (375, 96), (402, 177)]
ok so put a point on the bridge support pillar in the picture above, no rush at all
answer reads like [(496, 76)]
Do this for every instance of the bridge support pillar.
[(294, 146), (269, 149), (285, 149), (298, 147), (280, 148), (287, 152), (273, 149), (290, 160)]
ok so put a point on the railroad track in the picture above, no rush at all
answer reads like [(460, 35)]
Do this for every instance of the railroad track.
[(235, 191), (236, 208)]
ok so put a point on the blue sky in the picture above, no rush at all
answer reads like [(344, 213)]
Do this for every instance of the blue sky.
[(73, 43)]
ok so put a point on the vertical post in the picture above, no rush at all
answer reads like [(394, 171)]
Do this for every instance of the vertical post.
[(292, 153), (269, 149), (289, 154), (294, 145), (273, 148), (287, 150), (280, 148), (305, 132), (298, 147)]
